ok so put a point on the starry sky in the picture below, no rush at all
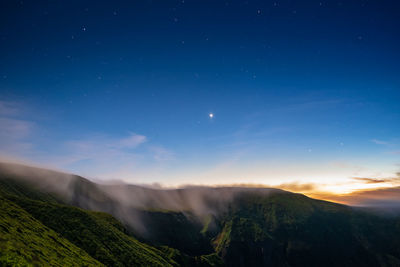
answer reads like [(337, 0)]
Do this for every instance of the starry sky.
[(303, 94)]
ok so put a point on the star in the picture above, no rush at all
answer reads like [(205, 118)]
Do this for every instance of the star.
[(211, 115)]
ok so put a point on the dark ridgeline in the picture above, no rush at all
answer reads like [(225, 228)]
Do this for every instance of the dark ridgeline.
[(197, 226)]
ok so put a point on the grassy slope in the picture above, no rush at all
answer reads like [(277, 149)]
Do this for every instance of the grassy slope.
[(102, 236), (99, 234), (184, 231), (293, 230), (25, 241), (280, 229)]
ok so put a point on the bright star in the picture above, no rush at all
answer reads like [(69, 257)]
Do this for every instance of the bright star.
[(211, 115)]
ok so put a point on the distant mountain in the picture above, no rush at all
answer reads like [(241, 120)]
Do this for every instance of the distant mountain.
[(294, 230), (196, 226)]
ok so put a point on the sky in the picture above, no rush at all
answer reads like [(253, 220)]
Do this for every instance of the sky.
[(303, 94)]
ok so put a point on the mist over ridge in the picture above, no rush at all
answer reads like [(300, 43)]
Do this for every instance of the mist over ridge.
[(127, 201), (229, 224)]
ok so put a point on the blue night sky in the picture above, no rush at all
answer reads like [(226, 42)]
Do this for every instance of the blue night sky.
[(301, 91)]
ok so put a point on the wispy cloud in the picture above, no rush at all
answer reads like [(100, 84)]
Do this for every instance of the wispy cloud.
[(387, 197), (132, 141), (91, 154), (14, 131), (131, 158), (161, 153), (379, 192), (100, 150), (8, 108), (379, 142), (98, 143), (369, 180), (298, 187)]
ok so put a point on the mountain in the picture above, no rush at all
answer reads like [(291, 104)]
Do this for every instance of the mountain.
[(294, 230), (26, 241), (128, 225), (81, 237)]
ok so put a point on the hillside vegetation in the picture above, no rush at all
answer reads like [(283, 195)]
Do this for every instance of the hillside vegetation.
[(26, 214), (228, 227), (25, 241), (293, 230), (97, 236)]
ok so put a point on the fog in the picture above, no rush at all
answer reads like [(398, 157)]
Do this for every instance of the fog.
[(127, 202)]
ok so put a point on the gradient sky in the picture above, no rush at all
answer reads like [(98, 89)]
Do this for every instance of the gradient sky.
[(302, 92)]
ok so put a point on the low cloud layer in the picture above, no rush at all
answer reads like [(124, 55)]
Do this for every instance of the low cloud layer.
[(383, 198), (127, 202), (298, 187)]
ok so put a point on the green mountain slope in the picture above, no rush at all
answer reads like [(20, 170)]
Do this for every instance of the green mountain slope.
[(191, 227), (184, 231), (24, 241), (293, 230), (102, 236), (99, 234)]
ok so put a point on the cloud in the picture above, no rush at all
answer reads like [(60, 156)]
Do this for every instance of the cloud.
[(298, 187), (387, 198), (131, 141), (100, 156), (9, 108), (96, 143), (161, 154), (13, 129), (14, 132), (369, 180), (96, 155), (100, 149), (379, 142)]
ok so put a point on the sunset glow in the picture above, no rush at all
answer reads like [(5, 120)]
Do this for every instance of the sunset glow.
[(269, 97)]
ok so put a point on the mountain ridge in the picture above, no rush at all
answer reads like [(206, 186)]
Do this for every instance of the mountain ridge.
[(202, 226)]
